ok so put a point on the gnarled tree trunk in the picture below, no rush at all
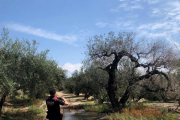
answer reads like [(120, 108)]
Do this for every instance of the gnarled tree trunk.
[(111, 92), (124, 98), (2, 101)]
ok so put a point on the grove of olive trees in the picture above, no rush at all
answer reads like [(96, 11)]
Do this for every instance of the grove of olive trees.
[(24, 68), (90, 82)]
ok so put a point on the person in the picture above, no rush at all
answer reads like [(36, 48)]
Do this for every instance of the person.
[(53, 107)]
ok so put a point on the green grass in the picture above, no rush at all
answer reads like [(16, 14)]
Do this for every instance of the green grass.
[(33, 113), (102, 108), (89, 103), (36, 109)]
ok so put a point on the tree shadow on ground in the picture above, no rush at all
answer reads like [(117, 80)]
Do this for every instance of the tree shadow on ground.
[(16, 103)]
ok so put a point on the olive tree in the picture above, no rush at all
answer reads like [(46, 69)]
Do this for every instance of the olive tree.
[(90, 81), (10, 54), (23, 68), (94, 83), (107, 51)]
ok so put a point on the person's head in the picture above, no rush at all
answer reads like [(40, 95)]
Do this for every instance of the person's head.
[(52, 92)]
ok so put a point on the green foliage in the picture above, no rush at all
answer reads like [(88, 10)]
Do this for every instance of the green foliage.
[(33, 113), (26, 69), (35, 110), (121, 56), (91, 82), (102, 108), (22, 67)]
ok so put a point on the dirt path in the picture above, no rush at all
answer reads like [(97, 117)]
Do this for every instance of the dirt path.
[(75, 111), (71, 98), (169, 106), (75, 102)]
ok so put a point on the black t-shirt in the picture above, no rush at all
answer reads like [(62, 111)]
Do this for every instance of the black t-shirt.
[(53, 105)]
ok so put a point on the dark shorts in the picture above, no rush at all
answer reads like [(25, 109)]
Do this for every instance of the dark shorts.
[(54, 116)]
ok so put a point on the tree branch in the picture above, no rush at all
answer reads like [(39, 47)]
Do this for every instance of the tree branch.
[(103, 54)]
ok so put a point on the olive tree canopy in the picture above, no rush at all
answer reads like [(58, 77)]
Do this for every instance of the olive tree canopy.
[(106, 52)]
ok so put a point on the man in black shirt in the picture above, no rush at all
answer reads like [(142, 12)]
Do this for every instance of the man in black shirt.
[(53, 107)]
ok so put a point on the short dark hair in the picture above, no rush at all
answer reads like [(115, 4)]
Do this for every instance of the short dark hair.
[(52, 91)]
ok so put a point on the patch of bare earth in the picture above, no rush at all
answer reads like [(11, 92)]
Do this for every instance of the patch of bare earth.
[(74, 102)]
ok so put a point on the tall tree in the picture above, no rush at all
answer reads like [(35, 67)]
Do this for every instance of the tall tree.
[(107, 51)]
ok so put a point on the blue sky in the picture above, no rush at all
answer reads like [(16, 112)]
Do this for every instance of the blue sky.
[(64, 26)]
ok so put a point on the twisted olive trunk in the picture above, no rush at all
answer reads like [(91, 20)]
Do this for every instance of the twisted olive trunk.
[(111, 92), (124, 98), (2, 101)]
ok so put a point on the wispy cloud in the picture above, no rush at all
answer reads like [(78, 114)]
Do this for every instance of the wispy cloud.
[(129, 5), (121, 24), (72, 67), (126, 7), (155, 35), (153, 1), (148, 1), (156, 12), (101, 24), (164, 17), (68, 38)]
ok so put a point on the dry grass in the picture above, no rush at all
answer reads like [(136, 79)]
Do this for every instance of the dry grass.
[(147, 112), (139, 110)]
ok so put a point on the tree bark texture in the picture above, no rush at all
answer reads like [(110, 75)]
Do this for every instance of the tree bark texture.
[(124, 98), (111, 92), (2, 101)]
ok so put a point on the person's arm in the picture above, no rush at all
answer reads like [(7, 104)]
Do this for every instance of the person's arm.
[(65, 102)]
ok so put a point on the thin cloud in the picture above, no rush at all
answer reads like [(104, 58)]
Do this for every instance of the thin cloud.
[(165, 19), (156, 12), (126, 7), (101, 24), (153, 1), (129, 5), (159, 26), (120, 24), (155, 35), (135, 7), (70, 39)]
